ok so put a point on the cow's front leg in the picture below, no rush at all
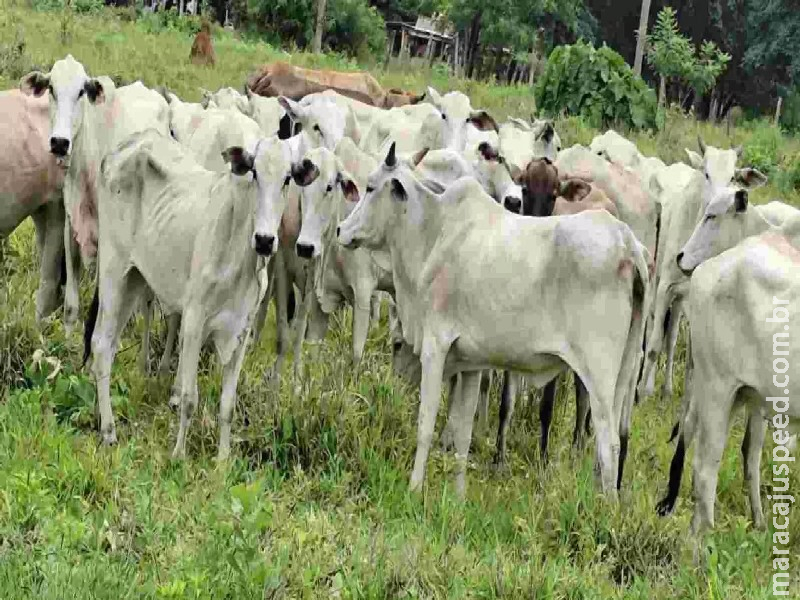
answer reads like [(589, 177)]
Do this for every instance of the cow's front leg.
[(227, 400), (173, 323), (361, 318), (191, 343), (51, 222), (463, 418), (72, 261), (432, 360)]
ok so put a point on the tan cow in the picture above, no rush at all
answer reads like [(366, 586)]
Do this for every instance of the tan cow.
[(30, 186)]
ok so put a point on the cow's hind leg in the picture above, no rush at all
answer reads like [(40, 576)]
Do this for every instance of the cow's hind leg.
[(73, 264), (117, 301), (751, 453), (227, 400), (463, 417), (49, 221), (546, 416), (361, 318), (173, 323), (191, 343), (673, 329), (507, 399), (144, 351), (582, 416), (432, 360)]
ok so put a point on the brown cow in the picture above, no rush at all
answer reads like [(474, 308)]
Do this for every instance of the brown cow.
[(282, 79), (202, 52)]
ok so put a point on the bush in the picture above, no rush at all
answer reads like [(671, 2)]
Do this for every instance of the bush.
[(355, 27), (762, 147), (597, 84), (79, 6), (169, 20)]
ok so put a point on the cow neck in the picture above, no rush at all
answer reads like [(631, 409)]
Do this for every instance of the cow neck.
[(233, 225)]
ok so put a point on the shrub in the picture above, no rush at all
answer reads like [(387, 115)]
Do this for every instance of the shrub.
[(762, 148), (355, 27), (597, 84)]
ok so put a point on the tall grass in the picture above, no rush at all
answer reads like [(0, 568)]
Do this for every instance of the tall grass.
[(315, 503)]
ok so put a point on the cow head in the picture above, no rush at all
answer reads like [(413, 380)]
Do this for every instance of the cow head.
[(574, 189), (719, 169), (615, 148), (541, 186), (269, 114), (184, 117), (723, 226), (69, 86), (385, 194), (546, 141), (498, 178), (226, 98), (323, 183), (270, 163), (323, 122), (455, 117)]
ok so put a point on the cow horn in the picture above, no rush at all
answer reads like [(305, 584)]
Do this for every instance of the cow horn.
[(701, 144), (391, 158)]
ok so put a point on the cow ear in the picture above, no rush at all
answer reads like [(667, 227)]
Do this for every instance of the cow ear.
[(695, 159), (433, 97), (398, 191), (515, 172), (294, 109), (241, 160), (349, 187), (547, 133), (417, 99), (94, 91), (205, 99), (575, 190), (740, 201), (519, 123), (482, 120), (305, 172), (750, 178), (34, 84), (418, 156)]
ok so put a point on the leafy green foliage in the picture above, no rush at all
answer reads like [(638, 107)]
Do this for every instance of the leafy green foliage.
[(354, 27), (670, 53), (762, 147), (595, 83)]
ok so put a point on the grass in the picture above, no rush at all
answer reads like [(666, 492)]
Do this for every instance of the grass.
[(315, 503)]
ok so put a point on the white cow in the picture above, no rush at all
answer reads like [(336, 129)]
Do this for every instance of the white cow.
[(622, 151), (268, 113), (744, 339), (520, 142), (196, 238), (30, 186), (714, 171), (445, 253), (88, 118), (331, 184)]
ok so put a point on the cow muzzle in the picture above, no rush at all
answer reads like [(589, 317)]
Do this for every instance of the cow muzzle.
[(59, 147), (304, 250), (512, 204), (678, 259), (264, 244)]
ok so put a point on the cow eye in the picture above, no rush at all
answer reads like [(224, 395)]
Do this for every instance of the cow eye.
[(329, 189), (370, 189), (707, 177), (81, 93), (317, 129), (444, 116), (711, 217), (287, 180)]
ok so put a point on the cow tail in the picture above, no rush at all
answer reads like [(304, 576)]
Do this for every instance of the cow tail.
[(632, 354), (91, 321), (685, 434)]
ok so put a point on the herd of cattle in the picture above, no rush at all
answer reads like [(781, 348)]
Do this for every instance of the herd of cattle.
[(497, 248)]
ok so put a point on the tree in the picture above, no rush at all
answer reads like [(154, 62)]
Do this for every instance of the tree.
[(319, 27), (642, 37), (669, 53)]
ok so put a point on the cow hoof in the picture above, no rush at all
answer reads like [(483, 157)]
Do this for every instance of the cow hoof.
[(110, 438), (664, 507)]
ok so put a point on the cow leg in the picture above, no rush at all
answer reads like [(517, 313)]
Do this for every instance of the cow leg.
[(361, 317), (375, 309), (191, 343), (173, 323), (582, 416), (453, 393), (144, 351), (281, 322), (301, 324), (432, 360), (227, 399), (483, 399), (117, 301), (463, 418), (672, 331), (71, 298), (49, 221), (507, 399), (606, 433), (546, 416), (751, 453), (655, 341)]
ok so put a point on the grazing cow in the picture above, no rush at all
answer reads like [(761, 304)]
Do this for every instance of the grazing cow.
[(89, 117), (739, 306), (196, 238), (714, 171), (444, 255), (282, 79), (331, 184), (30, 186), (226, 98), (202, 52), (521, 142)]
